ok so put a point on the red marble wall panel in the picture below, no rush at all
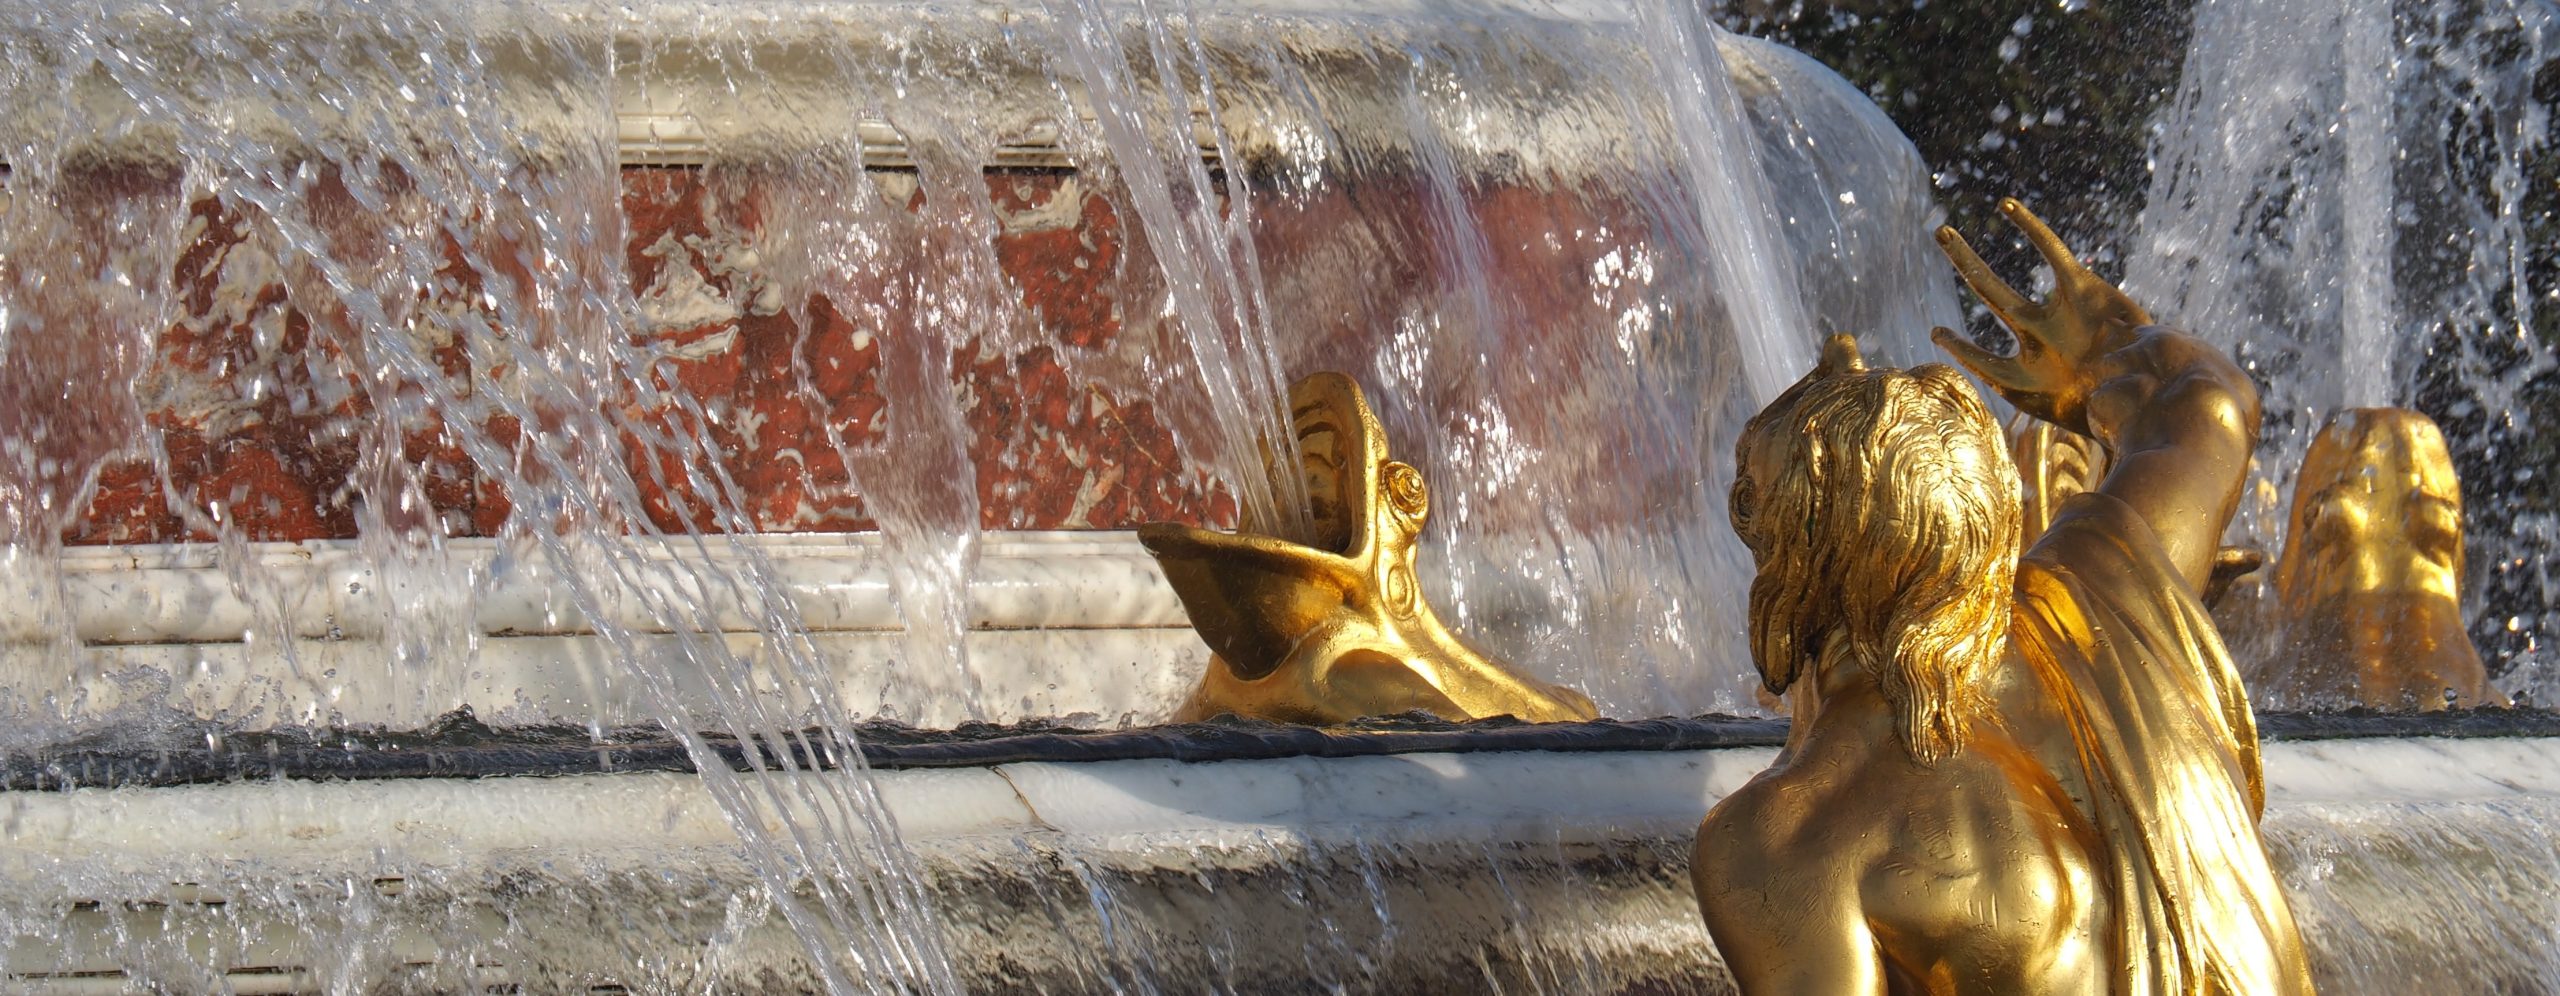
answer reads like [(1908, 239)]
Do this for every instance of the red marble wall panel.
[(263, 421), (1584, 313), (258, 414), (268, 419)]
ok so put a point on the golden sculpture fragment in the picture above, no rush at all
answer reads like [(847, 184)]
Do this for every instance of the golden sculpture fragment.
[(2056, 463), (2006, 773), (2367, 592), (2370, 582), (1338, 630)]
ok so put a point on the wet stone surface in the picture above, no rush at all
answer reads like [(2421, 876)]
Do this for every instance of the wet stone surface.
[(459, 746)]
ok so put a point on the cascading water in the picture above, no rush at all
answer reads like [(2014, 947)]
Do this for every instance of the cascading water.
[(572, 300), (500, 147), (2340, 861), (797, 344), (474, 354), (2343, 194)]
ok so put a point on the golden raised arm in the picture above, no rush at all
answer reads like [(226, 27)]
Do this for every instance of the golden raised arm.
[(2178, 417)]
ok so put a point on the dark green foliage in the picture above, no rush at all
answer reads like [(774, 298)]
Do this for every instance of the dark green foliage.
[(2054, 102), (2007, 98)]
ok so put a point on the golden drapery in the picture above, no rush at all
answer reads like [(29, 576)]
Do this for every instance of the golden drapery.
[(2168, 756)]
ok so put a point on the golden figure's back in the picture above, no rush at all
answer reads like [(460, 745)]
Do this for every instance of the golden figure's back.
[(1876, 851), (2006, 773)]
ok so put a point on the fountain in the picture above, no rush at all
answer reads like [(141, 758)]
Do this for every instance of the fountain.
[(739, 409)]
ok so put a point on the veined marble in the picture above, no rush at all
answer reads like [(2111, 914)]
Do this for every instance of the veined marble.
[(170, 625), (327, 589)]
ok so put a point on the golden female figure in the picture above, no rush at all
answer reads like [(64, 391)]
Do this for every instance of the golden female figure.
[(2006, 773)]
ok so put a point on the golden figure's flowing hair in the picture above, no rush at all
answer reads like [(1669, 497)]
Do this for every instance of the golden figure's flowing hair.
[(1882, 506)]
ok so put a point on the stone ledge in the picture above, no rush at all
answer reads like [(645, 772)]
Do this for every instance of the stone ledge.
[(2494, 745)]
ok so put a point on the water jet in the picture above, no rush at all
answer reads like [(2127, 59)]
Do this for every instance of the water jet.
[(757, 375)]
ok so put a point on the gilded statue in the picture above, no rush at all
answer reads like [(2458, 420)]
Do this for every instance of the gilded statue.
[(2368, 588), (2056, 463), (2369, 585), (2006, 772), (1339, 629)]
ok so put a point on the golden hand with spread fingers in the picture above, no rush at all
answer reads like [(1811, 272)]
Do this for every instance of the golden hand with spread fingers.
[(2063, 341), (2177, 418), (2006, 773)]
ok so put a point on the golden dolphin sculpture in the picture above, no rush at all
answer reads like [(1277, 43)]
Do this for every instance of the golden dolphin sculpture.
[(2369, 584), (1338, 630)]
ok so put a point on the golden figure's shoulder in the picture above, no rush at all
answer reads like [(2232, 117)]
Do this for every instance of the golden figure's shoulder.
[(1762, 823), (1849, 845), (1855, 812), (1786, 838), (1784, 914)]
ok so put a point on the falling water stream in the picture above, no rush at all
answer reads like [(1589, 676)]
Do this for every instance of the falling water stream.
[(373, 271), (2340, 193), (595, 300)]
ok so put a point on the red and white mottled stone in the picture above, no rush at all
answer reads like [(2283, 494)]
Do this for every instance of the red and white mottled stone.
[(261, 414)]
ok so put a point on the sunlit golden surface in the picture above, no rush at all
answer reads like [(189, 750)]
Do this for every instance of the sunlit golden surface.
[(2055, 463), (1334, 632), (2370, 581), (2006, 774)]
